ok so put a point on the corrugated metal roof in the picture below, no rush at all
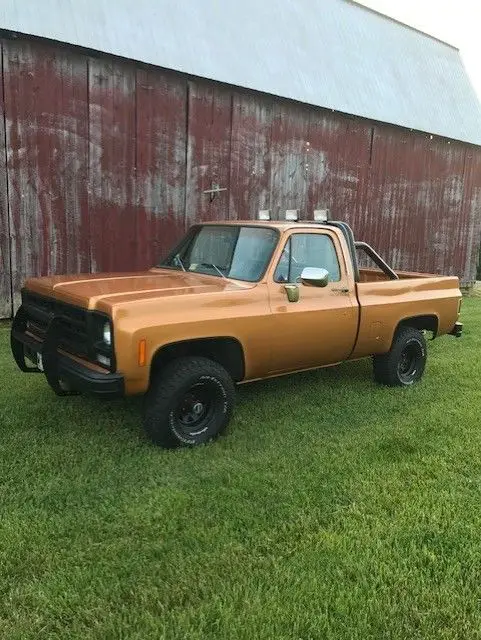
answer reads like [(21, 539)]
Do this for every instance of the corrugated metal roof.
[(331, 53)]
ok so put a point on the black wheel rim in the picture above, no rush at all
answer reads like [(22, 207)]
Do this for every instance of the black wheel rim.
[(195, 410), (409, 362)]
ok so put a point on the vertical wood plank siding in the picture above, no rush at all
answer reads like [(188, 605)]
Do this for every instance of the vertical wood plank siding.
[(104, 164)]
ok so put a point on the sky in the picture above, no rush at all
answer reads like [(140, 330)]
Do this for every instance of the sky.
[(455, 21)]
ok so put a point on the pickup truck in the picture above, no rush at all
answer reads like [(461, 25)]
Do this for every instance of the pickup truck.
[(233, 302)]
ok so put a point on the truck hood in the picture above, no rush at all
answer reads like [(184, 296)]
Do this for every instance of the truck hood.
[(106, 290)]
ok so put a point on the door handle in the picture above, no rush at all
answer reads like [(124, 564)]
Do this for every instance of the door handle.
[(340, 290), (292, 291)]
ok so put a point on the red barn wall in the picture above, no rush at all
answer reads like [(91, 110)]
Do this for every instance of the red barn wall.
[(104, 164)]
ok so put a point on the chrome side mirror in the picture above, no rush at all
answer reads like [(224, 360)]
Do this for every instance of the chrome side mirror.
[(314, 277)]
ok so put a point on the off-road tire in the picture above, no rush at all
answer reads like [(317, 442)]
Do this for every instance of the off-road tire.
[(404, 363), (165, 401)]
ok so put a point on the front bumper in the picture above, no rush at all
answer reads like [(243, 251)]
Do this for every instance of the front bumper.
[(58, 366), (457, 330)]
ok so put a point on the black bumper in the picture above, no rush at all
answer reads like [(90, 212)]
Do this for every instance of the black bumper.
[(457, 330), (58, 366)]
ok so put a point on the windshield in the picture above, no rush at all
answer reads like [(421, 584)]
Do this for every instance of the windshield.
[(238, 252)]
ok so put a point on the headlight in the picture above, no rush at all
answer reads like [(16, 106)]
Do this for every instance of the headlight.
[(107, 334)]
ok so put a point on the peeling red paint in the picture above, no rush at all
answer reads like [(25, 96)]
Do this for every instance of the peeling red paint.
[(339, 155), (290, 176), (208, 152), (5, 264), (161, 139), (418, 202), (111, 165), (250, 159), (46, 134), (107, 162)]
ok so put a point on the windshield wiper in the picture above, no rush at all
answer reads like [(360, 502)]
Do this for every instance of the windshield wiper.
[(214, 266)]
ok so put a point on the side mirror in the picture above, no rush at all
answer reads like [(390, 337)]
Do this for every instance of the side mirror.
[(314, 277)]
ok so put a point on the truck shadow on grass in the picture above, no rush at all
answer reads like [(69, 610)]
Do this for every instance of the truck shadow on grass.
[(312, 390), (319, 386), (340, 402), (315, 404)]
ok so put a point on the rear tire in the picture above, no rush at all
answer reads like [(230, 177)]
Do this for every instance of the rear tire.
[(404, 364), (189, 403)]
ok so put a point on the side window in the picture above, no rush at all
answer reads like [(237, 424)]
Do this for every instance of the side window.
[(307, 250)]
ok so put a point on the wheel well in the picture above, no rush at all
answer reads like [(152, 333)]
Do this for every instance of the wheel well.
[(227, 352), (429, 323)]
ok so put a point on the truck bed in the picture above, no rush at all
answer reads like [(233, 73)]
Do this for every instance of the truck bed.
[(383, 303), (376, 275)]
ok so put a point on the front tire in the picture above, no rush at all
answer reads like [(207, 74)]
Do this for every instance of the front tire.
[(189, 403), (404, 364)]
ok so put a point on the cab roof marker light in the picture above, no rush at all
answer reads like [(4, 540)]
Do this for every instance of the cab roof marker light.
[(321, 215), (292, 215), (264, 214)]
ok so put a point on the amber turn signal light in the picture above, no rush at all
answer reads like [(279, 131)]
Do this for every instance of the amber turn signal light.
[(142, 353)]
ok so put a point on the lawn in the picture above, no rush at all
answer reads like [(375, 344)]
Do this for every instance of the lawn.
[(332, 508)]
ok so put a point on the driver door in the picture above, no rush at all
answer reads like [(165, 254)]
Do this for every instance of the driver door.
[(321, 327)]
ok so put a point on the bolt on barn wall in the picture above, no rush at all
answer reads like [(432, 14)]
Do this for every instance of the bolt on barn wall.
[(107, 162)]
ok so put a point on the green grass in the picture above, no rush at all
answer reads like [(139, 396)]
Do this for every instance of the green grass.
[(333, 508)]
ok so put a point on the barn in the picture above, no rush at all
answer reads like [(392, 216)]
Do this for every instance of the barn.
[(123, 123)]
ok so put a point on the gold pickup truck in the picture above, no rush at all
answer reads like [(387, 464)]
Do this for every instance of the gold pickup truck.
[(233, 302)]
